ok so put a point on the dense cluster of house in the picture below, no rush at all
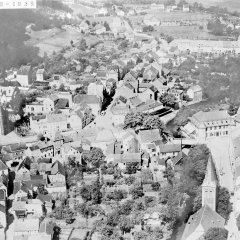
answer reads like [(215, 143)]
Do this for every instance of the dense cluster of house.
[(64, 122)]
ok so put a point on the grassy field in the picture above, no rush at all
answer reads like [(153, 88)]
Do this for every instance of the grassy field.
[(84, 10), (191, 32), (52, 40)]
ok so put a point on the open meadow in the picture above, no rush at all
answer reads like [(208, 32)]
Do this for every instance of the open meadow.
[(52, 40)]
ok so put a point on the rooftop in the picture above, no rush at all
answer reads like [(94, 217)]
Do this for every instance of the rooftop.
[(149, 136), (205, 218)]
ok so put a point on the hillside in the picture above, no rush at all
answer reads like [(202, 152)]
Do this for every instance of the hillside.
[(13, 51), (232, 5)]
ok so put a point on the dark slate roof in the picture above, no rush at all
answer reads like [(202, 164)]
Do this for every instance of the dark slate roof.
[(83, 98), (168, 148), (14, 147), (2, 195), (44, 198), (3, 166), (46, 227), (57, 167), (178, 158), (24, 70), (61, 103), (206, 218), (210, 176), (25, 163)]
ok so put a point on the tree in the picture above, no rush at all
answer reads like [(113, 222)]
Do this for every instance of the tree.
[(42, 190), (156, 186), (216, 27), (216, 234), (148, 29), (83, 44), (61, 87), (132, 167), (96, 194), (85, 193), (197, 204), (126, 207), (112, 219), (168, 99), (238, 222), (224, 206), (232, 109), (71, 42), (83, 209), (165, 193), (137, 192), (123, 45), (144, 121), (125, 224), (106, 25), (95, 157)]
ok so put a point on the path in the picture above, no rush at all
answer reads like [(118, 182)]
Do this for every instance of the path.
[(220, 149)]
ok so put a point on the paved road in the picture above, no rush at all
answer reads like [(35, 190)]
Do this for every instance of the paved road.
[(220, 149)]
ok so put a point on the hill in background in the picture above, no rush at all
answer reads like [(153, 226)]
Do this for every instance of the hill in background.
[(232, 5)]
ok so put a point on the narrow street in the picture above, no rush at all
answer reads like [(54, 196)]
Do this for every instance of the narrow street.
[(222, 157), (220, 149)]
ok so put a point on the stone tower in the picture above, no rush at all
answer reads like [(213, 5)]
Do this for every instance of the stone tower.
[(209, 186)]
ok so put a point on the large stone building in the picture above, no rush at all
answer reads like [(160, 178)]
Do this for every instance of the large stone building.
[(204, 125), (208, 46)]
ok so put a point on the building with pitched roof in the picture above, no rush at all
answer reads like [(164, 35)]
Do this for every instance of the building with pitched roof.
[(146, 137), (204, 125), (24, 76), (195, 93), (26, 226), (92, 101), (56, 179), (200, 222), (206, 217), (48, 124)]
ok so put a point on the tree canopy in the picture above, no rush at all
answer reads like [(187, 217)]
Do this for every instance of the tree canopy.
[(95, 157), (216, 234), (144, 121), (224, 206)]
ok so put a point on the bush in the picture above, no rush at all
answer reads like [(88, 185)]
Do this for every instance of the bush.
[(224, 206), (156, 186), (129, 180)]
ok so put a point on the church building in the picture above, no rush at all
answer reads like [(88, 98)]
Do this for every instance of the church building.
[(206, 217)]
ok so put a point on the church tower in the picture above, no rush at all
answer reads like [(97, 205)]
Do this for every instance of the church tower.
[(209, 186)]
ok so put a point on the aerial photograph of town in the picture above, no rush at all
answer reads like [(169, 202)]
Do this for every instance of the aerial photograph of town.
[(119, 119)]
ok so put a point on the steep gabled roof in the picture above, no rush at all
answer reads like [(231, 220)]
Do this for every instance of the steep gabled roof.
[(2, 166), (210, 176), (205, 218), (57, 167)]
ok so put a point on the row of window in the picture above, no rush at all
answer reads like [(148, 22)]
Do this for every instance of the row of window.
[(216, 128), (217, 134)]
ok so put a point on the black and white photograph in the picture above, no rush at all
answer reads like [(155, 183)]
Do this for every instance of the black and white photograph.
[(119, 119)]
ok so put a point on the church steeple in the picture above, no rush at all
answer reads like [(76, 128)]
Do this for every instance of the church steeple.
[(209, 186)]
